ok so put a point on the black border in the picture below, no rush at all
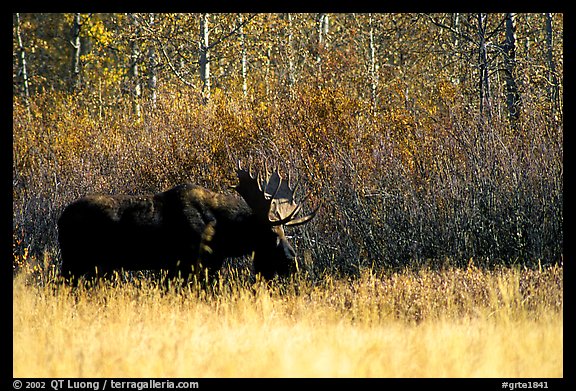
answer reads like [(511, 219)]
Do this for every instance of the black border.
[(396, 383)]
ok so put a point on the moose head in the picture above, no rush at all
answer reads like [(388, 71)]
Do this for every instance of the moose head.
[(271, 199)]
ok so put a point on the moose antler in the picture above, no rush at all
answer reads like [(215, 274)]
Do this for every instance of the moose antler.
[(271, 197)]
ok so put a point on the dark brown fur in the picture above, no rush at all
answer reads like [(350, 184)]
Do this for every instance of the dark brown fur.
[(173, 231)]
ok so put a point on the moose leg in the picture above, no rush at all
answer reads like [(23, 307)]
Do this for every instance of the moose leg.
[(265, 268), (73, 274), (208, 263), (70, 273), (186, 267), (76, 263), (197, 262), (86, 268), (180, 272)]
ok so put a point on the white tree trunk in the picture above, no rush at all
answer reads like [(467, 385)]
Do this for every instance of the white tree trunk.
[(152, 63), (204, 58), (134, 72), (484, 81), (373, 69), (23, 69), (243, 63), (290, 55), (552, 78), (512, 96), (322, 30), (76, 48)]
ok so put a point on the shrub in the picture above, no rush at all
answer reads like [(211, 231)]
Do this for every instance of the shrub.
[(397, 188)]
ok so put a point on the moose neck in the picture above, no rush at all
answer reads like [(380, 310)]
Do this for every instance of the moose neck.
[(237, 228)]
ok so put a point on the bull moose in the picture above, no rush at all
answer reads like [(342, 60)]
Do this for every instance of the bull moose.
[(185, 231)]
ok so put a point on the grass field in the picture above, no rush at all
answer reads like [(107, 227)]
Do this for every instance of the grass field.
[(450, 322)]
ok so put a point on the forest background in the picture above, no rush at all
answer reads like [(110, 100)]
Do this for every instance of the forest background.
[(429, 138)]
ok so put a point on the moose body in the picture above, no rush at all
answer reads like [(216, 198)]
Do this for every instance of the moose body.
[(183, 230)]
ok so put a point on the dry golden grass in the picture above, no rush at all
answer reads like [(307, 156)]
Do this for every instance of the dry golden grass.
[(427, 323)]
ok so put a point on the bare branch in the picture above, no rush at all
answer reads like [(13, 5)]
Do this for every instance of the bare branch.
[(449, 28), (178, 75), (231, 32)]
